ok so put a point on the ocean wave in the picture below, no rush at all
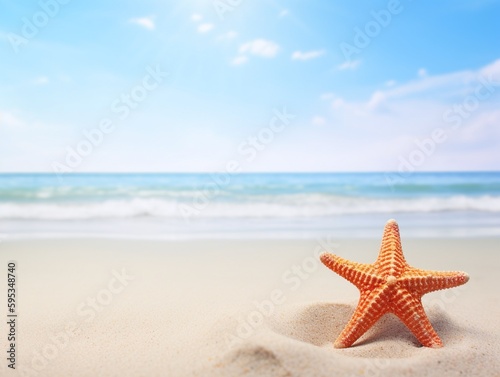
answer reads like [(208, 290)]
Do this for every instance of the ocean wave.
[(265, 206), (179, 187)]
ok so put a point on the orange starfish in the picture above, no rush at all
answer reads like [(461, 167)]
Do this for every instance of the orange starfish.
[(390, 285)]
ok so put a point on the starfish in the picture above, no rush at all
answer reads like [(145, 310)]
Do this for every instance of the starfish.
[(390, 285)]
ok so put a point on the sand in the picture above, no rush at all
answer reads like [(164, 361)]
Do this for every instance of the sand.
[(237, 308)]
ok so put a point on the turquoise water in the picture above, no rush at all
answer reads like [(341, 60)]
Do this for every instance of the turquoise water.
[(274, 205)]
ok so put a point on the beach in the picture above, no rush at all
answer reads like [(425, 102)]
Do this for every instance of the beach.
[(172, 174), (239, 307)]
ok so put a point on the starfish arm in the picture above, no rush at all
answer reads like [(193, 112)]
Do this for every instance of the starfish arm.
[(371, 306), (390, 260), (361, 275), (424, 281), (411, 312)]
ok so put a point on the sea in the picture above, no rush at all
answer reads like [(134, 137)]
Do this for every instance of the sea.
[(267, 205)]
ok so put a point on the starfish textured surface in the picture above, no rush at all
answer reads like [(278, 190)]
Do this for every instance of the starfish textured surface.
[(390, 285)]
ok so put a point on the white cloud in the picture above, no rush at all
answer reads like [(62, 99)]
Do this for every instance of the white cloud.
[(349, 64), (239, 60), (491, 70), (145, 22), (227, 36), (422, 72), (260, 47), (7, 119), (196, 17), (327, 96), (203, 28), (446, 85), (376, 99), (338, 103), (407, 113), (483, 126), (307, 55), (41, 80), (390, 83), (318, 121)]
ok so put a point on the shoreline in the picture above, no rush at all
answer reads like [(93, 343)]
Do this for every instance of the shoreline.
[(364, 234)]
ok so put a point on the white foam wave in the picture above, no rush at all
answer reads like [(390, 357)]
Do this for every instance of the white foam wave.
[(288, 206)]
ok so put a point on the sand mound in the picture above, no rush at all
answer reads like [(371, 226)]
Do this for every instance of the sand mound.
[(320, 323), (253, 359), (300, 338)]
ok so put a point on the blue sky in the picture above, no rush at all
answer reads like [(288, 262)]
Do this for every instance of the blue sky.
[(372, 86)]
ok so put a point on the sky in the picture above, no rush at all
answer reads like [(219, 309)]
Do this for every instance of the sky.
[(250, 86)]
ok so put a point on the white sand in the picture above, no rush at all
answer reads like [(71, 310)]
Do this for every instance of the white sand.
[(192, 309)]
